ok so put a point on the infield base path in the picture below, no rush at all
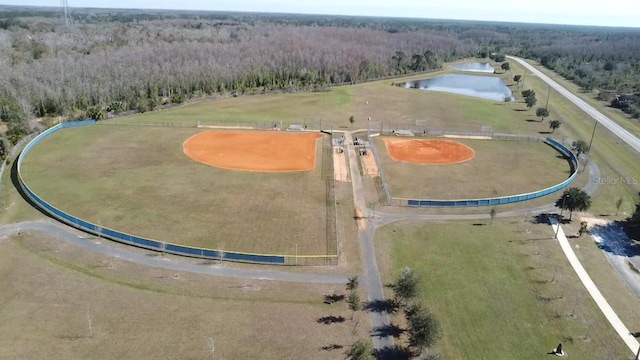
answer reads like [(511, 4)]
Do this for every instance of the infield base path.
[(434, 152)]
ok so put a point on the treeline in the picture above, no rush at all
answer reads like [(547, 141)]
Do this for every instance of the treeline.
[(91, 70), (115, 61)]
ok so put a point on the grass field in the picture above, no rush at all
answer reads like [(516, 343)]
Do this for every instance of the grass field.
[(328, 107), (138, 180), (140, 312), (499, 168), (503, 291)]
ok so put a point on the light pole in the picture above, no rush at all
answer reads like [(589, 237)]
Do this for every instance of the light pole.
[(592, 134), (546, 106)]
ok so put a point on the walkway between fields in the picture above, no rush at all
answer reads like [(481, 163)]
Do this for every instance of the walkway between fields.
[(602, 303), (366, 232)]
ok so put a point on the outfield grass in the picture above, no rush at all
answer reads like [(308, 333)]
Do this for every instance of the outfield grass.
[(378, 100), (138, 180), (499, 168), (503, 291), (328, 107), (146, 313)]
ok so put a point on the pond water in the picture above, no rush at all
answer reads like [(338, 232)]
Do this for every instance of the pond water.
[(475, 67), (485, 87)]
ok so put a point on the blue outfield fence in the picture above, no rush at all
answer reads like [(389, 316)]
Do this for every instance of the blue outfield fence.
[(127, 238), (513, 198)]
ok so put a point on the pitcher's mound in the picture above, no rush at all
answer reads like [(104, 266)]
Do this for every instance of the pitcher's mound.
[(435, 152), (254, 151)]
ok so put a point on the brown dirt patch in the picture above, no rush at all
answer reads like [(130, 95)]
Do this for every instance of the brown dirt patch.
[(433, 152), (370, 166), (254, 151)]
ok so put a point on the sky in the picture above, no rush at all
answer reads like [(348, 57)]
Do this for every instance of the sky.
[(624, 13)]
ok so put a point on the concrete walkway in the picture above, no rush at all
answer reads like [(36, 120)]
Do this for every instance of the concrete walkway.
[(602, 303)]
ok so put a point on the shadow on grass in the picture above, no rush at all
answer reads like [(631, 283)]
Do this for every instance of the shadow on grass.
[(380, 306), (615, 240), (388, 330), (330, 299), (532, 120), (332, 347), (327, 320), (541, 218), (520, 110), (394, 353)]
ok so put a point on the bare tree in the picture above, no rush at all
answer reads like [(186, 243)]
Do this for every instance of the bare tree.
[(89, 320), (163, 247), (618, 205), (99, 230), (221, 253), (211, 347)]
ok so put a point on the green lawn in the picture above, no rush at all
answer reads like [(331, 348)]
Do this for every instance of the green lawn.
[(500, 292), (311, 108)]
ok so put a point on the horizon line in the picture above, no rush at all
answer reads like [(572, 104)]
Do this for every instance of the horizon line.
[(329, 15)]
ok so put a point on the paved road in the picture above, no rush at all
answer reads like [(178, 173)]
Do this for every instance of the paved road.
[(91, 243), (620, 132), (604, 306)]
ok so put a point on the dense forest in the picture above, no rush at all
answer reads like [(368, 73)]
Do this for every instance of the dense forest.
[(118, 61)]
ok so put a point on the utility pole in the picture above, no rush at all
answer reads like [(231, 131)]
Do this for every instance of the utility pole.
[(546, 106), (592, 134)]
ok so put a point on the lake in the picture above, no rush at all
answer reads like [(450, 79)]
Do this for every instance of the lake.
[(485, 87), (475, 67)]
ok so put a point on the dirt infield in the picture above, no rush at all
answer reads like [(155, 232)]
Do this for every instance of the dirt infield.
[(433, 152), (254, 151)]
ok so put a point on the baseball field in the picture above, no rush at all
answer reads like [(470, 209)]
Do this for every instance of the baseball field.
[(144, 181)]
